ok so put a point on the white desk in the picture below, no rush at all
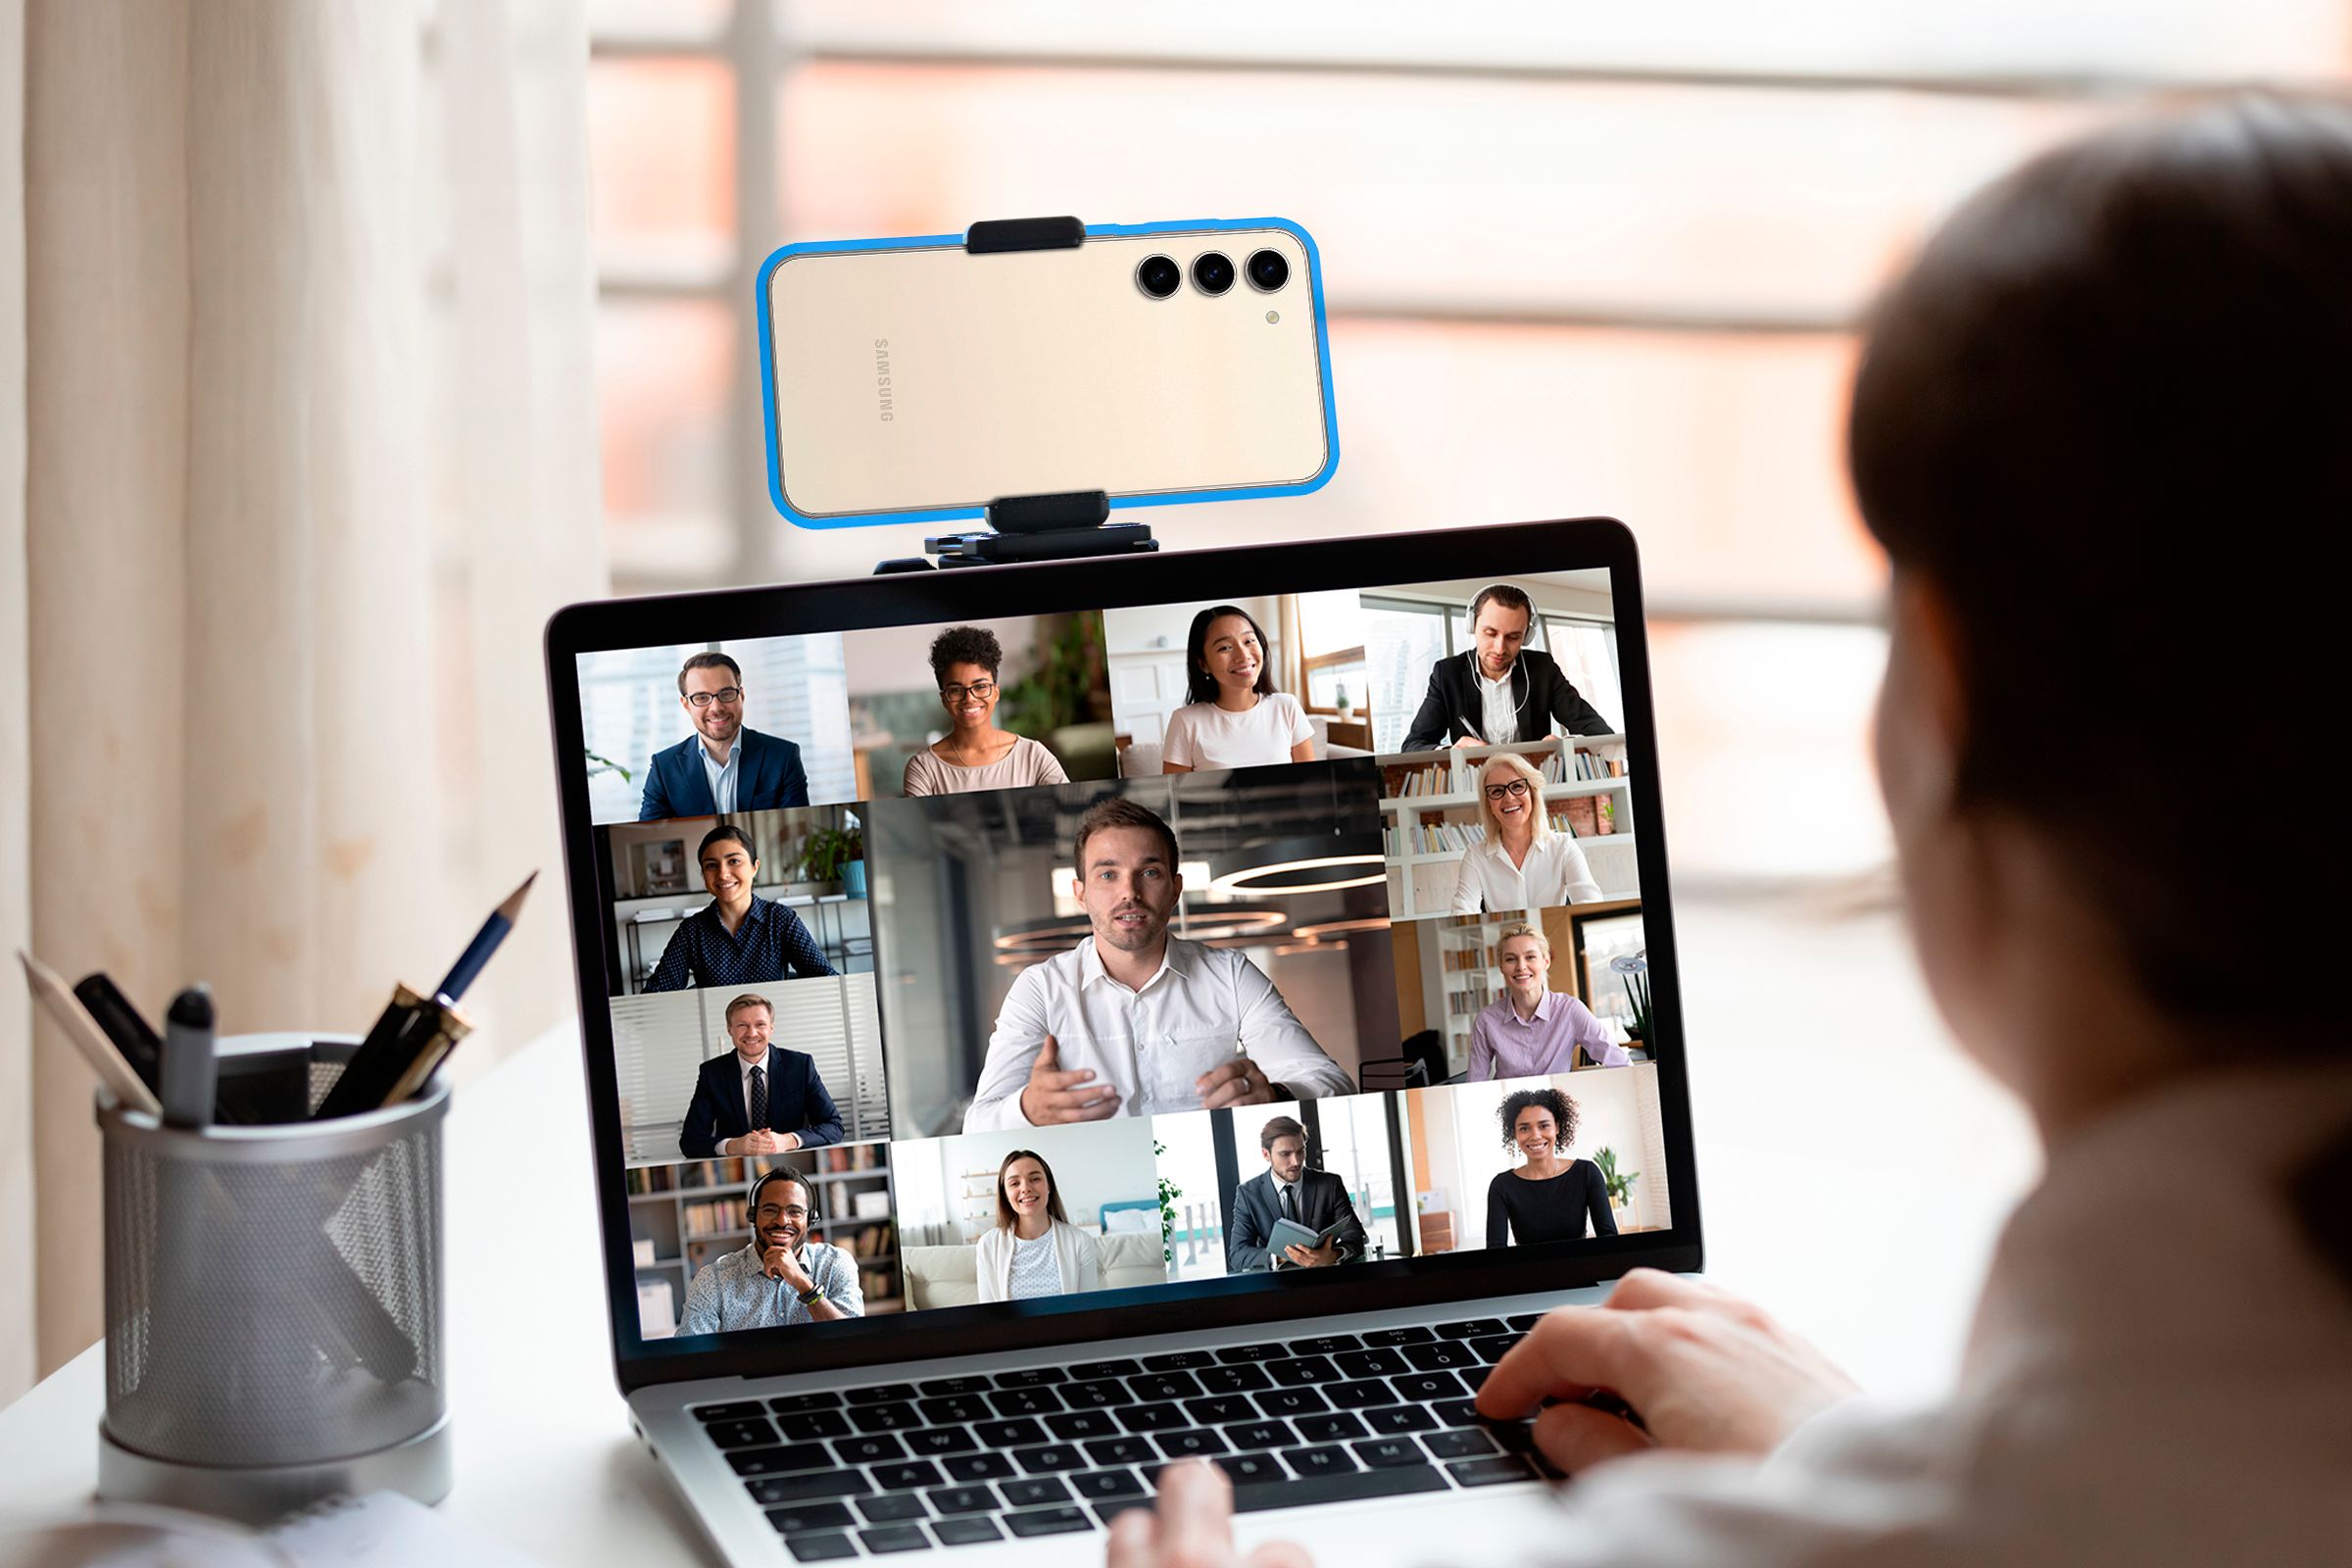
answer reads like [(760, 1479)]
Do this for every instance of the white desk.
[(1855, 1173)]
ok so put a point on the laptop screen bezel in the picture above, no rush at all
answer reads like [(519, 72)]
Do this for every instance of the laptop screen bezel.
[(1366, 563)]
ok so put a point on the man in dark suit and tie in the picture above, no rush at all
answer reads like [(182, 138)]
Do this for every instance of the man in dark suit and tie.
[(757, 1099), (721, 767), (1316, 1200)]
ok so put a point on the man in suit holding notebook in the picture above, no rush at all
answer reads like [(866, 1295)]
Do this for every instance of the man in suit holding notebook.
[(1313, 1198), (722, 766), (757, 1099)]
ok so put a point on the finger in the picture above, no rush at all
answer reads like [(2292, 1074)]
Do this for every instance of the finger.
[(1577, 1437), (1049, 1057), (1219, 1074), (1298, 1254), (1274, 1553), (1132, 1535), (1078, 1099), (1056, 1083), (1643, 1289), (1567, 1355), (1195, 1515)]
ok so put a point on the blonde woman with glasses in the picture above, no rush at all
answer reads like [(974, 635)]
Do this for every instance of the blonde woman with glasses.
[(1523, 864)]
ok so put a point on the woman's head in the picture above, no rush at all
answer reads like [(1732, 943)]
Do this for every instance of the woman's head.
[(1025, 1190), (1225, 651), (1524, 955), (964, 661), (2101, 431), (1538, 1122), (1510, 797)]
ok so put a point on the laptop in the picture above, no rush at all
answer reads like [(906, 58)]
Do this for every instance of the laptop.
[(1045, 1022)]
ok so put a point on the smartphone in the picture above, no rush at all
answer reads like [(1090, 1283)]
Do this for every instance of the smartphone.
[(913, 381)]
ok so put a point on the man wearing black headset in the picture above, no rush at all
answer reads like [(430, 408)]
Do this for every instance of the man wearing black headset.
[(780, 1277)]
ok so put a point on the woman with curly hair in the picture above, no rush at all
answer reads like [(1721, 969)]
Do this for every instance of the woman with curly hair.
[(1549, 1197), (975, 755)]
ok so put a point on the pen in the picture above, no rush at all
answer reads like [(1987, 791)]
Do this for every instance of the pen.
[(123, 1022), (190, 1066), (83, 1034)]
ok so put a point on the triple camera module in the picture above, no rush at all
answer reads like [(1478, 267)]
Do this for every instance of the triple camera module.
[(1212, 273)]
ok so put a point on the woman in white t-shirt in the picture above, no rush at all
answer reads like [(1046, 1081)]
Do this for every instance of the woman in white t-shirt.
[(1034, 1249), (1232, 716)]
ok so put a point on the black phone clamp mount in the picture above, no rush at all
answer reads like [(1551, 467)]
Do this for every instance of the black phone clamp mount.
[(1065, 526)]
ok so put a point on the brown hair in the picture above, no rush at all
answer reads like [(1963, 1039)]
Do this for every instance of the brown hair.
[(1116, 810), (1280, 1127), (749, 999), (1509, 596), (2106, 418), (709, 661), (1004, 1214)]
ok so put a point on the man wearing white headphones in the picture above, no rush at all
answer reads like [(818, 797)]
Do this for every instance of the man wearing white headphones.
[(1500, 692), (779, 1277)]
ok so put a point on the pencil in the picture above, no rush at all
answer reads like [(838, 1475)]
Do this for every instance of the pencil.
[(468, 966), (115, 1075)]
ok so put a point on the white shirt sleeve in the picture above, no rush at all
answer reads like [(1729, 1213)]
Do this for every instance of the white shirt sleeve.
[(1295, 716), (1176, 738), (1279, 1043), (1466, 885), (1021, 1033), (1575, 882)]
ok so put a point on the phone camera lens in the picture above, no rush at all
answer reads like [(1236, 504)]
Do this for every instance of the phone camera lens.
[(1158, 276), (1268, 271), (1212, 273)]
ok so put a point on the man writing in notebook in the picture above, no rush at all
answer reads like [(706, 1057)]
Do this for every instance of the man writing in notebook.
[(757, 1099), (1287, 1190), (722, 766), (1133, 1021), (1501, 692)]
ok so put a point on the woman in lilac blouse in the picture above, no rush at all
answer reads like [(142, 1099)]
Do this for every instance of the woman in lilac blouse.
[(1534, 1032)]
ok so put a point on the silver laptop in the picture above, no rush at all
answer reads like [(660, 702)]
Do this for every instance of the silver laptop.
[(1045, 1022)]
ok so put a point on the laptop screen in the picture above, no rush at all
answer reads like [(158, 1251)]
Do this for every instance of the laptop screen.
[(985, 968)]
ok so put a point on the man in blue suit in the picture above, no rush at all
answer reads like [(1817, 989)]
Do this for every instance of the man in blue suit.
[(721, 766), (757, 1099)]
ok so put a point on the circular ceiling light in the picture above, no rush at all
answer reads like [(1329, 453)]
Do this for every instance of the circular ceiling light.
[(1292, 948), (1320, 862), (1326, 928), (1208, 922)]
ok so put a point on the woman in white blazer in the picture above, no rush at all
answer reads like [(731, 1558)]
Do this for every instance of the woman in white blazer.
[(1034, 1249)]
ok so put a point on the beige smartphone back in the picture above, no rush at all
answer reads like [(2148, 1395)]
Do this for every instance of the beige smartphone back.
[(915, 379)]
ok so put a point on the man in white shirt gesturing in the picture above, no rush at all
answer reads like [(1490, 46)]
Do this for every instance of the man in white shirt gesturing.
[(1134, 1022)]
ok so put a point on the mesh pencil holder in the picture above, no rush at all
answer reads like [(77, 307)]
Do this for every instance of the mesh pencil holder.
[(273, 1294)]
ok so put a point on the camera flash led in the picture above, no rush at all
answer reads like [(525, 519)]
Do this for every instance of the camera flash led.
[(1272, 316)]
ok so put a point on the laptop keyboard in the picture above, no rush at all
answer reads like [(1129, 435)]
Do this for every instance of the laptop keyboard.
[(1051, 1450)]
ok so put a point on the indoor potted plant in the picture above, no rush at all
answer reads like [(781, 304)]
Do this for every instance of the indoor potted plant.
[(1619, 1183), (1633, 971), (836, 857)]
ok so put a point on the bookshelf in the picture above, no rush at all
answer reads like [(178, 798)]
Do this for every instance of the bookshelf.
[(692, 1212), (1460, 965), (1429, 815)]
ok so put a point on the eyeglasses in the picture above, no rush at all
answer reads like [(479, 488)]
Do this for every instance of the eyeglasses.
[(730, 694), (769, 1213), (1511, 791), (980, 691)]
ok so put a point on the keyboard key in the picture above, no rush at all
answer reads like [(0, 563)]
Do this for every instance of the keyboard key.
[(884, 1417), (820, 1549), (1468, 1442), (1427, 1388), (976, 1466), (1109, 1508), (1088, 1371), (869, 1450), (1391, 1419), (733, 1411), (1456, 1412), (1222, 1409), (966, 1531), (1371, 1363), (777, 1461), (976, 1384), (1351, 1486), (1523, 1322), (906, 1477), (817, 1483), (1326, 1345), (1492, 1347), (1195, 1443), (1415, 1335), (1383, 1454), (1049, 1521), (953, 1409), (1261, 1435), (895, 1537), (1025, 1401), (1100, 1484), (750, 1433), (1333, 1460), (802, 1517), (1292, 1401), (1076, 1424), (1030, 1490), (1050, 1459), (1165, 1386), (1443, 1354), (962, 1499), (1029, 1377), (883, 1394), (1253, 1353), (814, 1424), (1361, 1395), (795, 1403), (1472, 1328), (1095, 1396), (1014, 1434), (1251, 1469), (1488, 1472), (1178, 1360), (1516, 1437), (1234, 1379), (1154, 1418), (936, 1440), (890, 1507), (1330, 1428), (1303, 1371), (1122, 1451)]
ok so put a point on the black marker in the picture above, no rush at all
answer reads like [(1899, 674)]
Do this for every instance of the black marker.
[(123, 1024), (189, 1069)]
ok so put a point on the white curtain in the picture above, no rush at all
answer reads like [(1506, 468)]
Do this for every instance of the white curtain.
[(308, 298)]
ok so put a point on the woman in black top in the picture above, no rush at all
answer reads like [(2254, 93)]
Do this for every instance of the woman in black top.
[(1549, 1198)]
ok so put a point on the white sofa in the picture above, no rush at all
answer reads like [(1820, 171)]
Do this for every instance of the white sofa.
[(950, 1276)]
